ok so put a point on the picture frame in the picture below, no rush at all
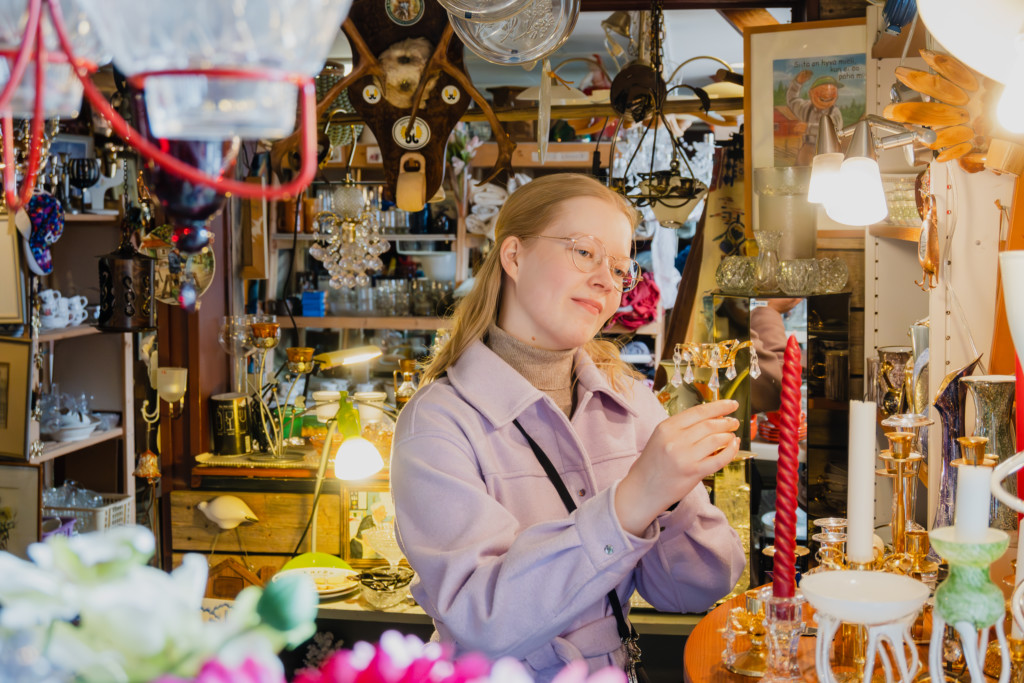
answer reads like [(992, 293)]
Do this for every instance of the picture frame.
[(363, 506), (21, 506), (15, 396), (12, 276), (764, 49)]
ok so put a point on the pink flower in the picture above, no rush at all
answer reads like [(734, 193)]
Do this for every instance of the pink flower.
[(213, 671)]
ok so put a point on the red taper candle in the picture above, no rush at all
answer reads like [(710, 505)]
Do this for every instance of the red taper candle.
[(784, 582)]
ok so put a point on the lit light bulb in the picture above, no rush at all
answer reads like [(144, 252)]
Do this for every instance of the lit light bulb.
[(1011, 105), (859, 198)]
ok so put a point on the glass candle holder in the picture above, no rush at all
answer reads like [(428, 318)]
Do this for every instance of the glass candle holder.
[(784, 624)]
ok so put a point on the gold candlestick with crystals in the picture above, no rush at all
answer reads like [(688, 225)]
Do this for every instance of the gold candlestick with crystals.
[(713, 355)]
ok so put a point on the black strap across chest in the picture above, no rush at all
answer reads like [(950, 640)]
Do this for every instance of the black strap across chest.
[(626, 630)]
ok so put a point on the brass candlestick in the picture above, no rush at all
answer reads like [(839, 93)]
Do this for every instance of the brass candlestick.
[(715, 355), (902, 465), (747, 621)]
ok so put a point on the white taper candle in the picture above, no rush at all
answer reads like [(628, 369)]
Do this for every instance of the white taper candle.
[(860, 495), (970, 516)]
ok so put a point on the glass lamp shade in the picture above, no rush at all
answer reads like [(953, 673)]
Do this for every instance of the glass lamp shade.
[(253, 36), (981, 34), (348, 201), (1010, 109), (357, 458), (171, 383), (859, 198), (824, 175), (62, 92)]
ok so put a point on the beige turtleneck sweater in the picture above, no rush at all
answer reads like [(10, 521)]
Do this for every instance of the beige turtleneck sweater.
[(548, 371)]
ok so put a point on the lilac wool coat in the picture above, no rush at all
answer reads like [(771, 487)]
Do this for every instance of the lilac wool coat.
[(502, 568)]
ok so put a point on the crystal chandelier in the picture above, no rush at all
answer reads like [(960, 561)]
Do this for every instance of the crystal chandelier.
[(349, 247), (209, 69)]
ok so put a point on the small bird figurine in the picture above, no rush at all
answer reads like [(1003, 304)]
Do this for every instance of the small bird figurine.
[(227, 512)]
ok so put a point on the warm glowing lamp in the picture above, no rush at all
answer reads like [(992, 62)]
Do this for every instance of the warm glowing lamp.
[(986, 35), (858, 197), (357, 458), (170, 386), (826, 163), (352, 356)]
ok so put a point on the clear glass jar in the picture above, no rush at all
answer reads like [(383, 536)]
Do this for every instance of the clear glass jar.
[(766, 268)]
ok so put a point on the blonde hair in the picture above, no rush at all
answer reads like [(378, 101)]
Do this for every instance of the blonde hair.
[(527, 213)]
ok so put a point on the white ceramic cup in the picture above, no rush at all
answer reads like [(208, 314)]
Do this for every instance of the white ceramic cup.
[(57, 320), (78, 316), (77, 303), (49, 298)]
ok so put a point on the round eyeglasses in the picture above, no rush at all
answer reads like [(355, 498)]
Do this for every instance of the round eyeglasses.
[(588, 253)]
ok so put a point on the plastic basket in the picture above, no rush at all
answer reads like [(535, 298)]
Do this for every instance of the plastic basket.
[(117, 510)]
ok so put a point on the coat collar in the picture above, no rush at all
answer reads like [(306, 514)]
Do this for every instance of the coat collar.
[(501, 394)]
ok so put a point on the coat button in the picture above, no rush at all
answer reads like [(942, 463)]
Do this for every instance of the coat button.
[(582, 492), (608, 550)]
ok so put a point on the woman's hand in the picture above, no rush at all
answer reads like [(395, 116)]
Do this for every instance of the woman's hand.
[(683, 450)]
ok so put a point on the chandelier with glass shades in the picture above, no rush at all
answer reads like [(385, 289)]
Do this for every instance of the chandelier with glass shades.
[(210, 70)]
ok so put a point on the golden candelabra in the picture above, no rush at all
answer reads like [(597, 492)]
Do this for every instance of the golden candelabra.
[(713, 355), (902, 465)]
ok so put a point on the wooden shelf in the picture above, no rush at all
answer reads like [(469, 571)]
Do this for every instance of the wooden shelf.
[(906, 234), (68, 333), (91, 218), (560, 155), (287, 238), (380, 323), (55, 449)]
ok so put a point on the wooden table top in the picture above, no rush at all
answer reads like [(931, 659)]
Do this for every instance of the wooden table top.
[(702, 659)]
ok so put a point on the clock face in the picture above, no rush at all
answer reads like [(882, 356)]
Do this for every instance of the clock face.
[(404, 12)]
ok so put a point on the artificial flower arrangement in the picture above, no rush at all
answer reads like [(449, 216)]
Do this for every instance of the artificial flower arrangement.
[(89, 608)]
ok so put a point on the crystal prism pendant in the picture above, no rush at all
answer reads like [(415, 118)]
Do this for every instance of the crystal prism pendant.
[(730, 372), (688, 377), (713, 382), (677, 379), (755, 367)]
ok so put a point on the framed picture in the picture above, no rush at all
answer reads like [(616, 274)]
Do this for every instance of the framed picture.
[(15, 366), (363, 508), (795, 75), (21, 503), (12, 278)]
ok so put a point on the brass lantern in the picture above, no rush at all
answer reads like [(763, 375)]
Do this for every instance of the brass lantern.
[(126, 287)]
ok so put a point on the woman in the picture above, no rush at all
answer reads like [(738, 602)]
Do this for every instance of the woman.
[(503, 568)]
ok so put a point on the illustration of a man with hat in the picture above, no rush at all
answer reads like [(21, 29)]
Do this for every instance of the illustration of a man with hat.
[(821, 100)]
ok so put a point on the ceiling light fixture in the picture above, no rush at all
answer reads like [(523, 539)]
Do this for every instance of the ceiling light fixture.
[(240, 75)]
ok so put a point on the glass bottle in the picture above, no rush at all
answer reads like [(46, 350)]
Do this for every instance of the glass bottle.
[(766, 268), (405, 390)]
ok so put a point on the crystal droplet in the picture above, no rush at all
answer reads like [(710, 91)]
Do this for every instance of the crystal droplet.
[(713, 382), (730, 372), (755, 367), (688, 377)]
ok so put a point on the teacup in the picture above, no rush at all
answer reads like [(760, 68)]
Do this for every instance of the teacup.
[(77, 302), (49, 300), (57, 320), (78, 316)]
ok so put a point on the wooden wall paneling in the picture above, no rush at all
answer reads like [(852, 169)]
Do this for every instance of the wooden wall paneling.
[(190, 340), (282, 518)]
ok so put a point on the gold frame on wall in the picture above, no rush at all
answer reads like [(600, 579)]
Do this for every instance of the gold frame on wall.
[(356, 503), (21, 506), (762, 45), (15, 396), (12, 277)]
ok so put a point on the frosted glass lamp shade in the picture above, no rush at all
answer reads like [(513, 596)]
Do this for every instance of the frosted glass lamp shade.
[(824, 176), (982, 34), (258, 37), (1011, 268), (357, 458), (859, 198), (171, 383)]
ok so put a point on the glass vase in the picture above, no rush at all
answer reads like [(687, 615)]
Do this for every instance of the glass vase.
[(949, 401), (766, 268), (993, 408)]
